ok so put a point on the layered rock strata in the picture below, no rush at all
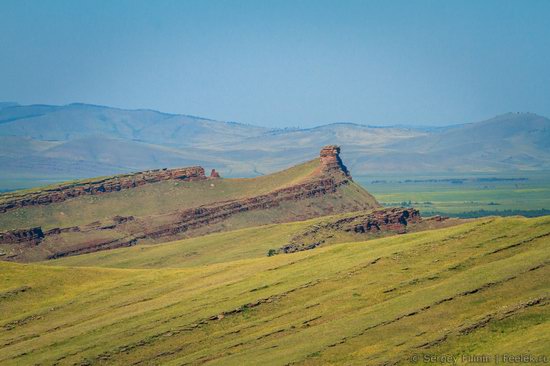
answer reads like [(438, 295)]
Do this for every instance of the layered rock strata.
[(194, 218), (126, 231), (331, 161), (208, 214), (24, 236), (393, 220), (100, 186)]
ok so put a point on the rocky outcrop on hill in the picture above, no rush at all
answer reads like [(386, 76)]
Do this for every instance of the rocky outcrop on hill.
[(329, 159), (129, 230), (393, 220), (25, 236), (100, 186), (331, 162), (387, 219), (320, 185), (191, 219)]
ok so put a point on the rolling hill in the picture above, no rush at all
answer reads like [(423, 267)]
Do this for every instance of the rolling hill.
[(158, 206), (40, 143), (472, 289)]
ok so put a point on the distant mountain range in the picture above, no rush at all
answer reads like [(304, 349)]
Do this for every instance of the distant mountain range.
[(81, 140)]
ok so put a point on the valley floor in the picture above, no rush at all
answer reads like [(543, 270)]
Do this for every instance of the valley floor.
[(472, 289), (466, 195)]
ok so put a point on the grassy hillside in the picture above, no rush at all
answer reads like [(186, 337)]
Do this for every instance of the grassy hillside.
[(174, 209), (476, 288), (214, 248), (254, 242)]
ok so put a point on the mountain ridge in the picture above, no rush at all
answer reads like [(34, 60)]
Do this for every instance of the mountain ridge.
[(48, 141), (8, 104)]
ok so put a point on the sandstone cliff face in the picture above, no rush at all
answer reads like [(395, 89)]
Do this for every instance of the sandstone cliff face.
[(64, 192), (329, 159), (393, 220), (333, 175), (331, 162), (24, 236), (388, 219)]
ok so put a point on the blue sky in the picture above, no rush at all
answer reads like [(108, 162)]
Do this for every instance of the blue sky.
[(282, 63)]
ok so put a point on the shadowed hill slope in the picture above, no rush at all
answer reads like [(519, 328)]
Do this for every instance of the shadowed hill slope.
[(478, 288)]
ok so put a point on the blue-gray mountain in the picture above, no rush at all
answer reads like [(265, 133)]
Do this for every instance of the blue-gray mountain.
[(79, 140)]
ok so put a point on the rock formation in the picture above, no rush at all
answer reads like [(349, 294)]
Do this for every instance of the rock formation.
[(92, 187), (388, 219), (204, 215), (385, 220), (198, 217), (25, 236), (128, 230), (331, 162)]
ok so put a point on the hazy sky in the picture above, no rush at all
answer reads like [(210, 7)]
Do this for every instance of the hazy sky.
[(282, 63)]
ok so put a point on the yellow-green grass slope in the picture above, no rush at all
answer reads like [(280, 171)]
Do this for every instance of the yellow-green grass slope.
[(253, 242), (481, 287), (228, 246)]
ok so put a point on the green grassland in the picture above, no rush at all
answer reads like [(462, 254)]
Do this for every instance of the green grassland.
[(477, 287), (214, 248), (478, 195)]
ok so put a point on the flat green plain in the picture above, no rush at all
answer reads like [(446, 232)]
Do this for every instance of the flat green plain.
[(465, 195)]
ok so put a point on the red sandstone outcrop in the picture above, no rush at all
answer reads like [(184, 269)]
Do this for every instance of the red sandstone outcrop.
[(100, 186), (331, 162), (382, 220), (329, 158), (388, 219), (25, 236)]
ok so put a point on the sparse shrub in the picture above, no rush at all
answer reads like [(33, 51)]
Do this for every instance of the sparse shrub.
[(271, 252)]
